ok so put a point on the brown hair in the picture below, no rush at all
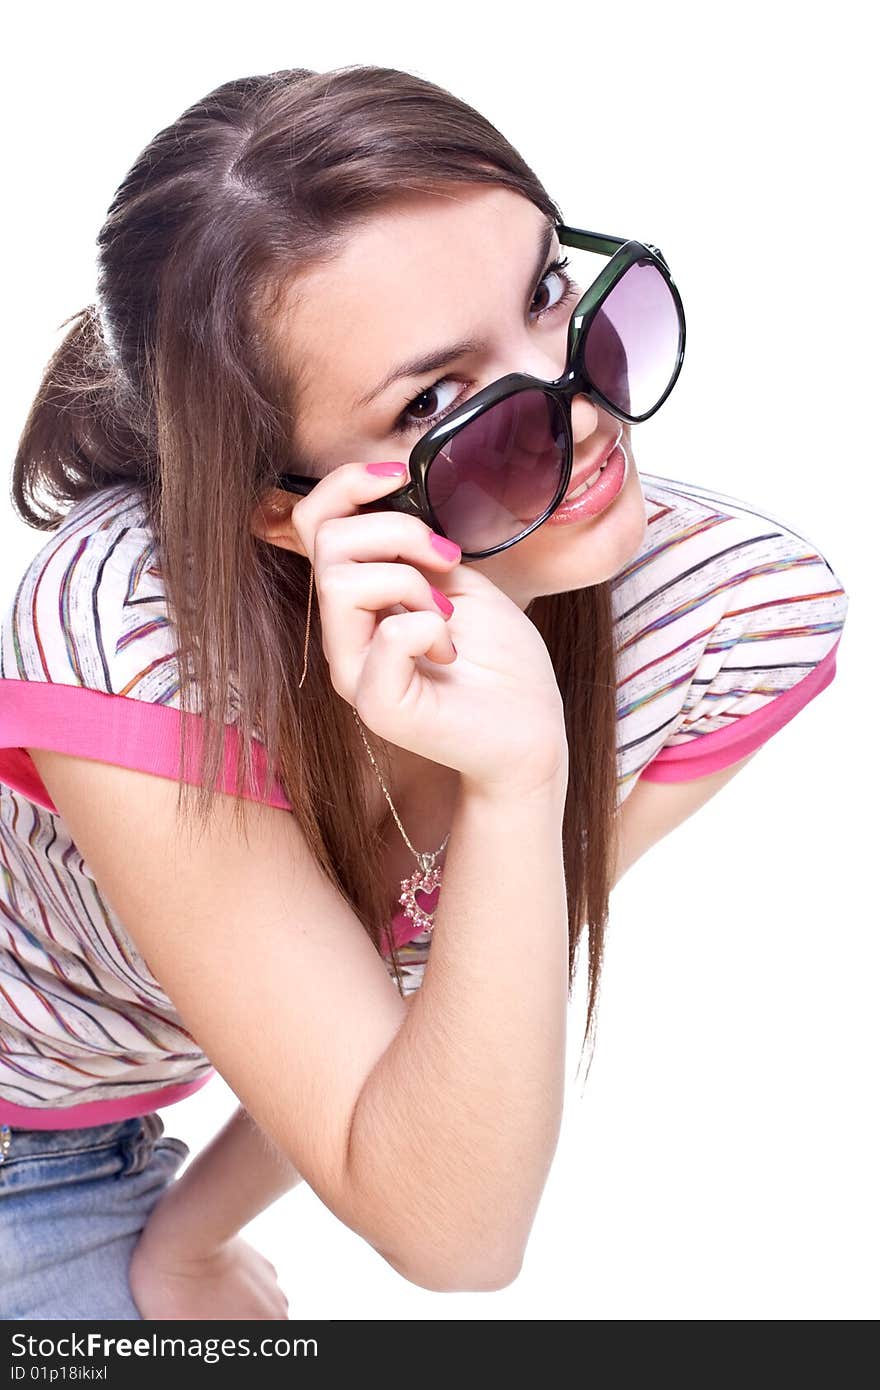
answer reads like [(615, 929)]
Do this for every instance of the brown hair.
[(171, 383)]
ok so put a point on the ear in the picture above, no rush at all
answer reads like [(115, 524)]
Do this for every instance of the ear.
[(271, 521)]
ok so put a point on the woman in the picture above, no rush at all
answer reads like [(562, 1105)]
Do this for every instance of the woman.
[(299, 494)]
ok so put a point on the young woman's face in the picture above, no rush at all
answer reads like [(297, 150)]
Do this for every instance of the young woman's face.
[(434, 270)]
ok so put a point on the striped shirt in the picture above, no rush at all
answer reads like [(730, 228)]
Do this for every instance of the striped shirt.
[(727, 623)]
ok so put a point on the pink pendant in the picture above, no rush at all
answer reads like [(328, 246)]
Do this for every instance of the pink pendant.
[(427, 885)]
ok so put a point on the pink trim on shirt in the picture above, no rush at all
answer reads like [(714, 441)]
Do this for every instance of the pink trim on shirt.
[(712, 752), (110, 729), (97, 1112)]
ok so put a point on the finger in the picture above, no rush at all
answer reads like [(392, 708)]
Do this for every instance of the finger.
[(352, 595), (387, 678), (339, 493), (382, 536)]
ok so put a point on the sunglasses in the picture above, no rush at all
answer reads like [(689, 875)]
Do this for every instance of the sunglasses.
[(497, 467)]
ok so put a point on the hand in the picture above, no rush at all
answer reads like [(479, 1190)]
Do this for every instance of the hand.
[(493, 712), (232, 1281)]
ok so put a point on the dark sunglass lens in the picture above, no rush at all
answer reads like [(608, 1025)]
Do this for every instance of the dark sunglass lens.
[(500, 473), (632, 345)]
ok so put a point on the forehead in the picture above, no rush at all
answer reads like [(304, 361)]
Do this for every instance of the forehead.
[(424, 271)]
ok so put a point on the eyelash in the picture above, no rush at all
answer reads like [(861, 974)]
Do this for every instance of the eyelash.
[(404, 426)]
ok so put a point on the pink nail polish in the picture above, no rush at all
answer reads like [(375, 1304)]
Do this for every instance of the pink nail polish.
[(442, 602), (386, 470), (448, 549)]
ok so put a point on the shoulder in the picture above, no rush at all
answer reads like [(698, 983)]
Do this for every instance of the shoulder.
[(89, 610), (725, 609), (89, 661), (700, 543)]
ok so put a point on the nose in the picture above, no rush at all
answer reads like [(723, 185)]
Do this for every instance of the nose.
[(584, 418)]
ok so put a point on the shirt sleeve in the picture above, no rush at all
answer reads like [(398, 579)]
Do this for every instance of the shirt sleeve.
[(771, 651), (88, 664)]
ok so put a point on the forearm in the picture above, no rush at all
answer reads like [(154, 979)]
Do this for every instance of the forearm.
[(455, 1129), (229, 1182)]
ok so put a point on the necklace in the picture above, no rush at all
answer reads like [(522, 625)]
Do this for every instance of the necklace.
[(426, 879)]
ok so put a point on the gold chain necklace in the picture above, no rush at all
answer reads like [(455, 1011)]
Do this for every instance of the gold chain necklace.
[(427, 878), (423, 880)]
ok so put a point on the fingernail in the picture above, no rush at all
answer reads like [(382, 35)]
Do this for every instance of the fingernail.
[(442, 602), (386, 470), (448, 549)]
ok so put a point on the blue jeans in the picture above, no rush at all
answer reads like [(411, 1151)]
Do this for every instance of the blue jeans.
[(72, 1206)]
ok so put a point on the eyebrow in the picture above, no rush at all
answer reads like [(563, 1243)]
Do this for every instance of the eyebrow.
[(429, 362)]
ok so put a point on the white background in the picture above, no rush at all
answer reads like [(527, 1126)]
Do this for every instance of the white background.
[(721, 1161)]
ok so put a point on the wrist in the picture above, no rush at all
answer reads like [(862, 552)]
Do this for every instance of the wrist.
[(547, 785)]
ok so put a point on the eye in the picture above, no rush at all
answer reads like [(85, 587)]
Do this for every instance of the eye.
[(409, 423)]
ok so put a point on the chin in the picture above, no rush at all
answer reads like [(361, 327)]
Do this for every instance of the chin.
[(557, 559)]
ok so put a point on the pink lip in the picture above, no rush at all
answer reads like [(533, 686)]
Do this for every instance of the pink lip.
[(589, 468)]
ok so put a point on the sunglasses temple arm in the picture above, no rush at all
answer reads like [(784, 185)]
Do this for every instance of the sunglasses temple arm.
[(597, 241)]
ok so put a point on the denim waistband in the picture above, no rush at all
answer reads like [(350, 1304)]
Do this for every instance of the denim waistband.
[(139, 1133)]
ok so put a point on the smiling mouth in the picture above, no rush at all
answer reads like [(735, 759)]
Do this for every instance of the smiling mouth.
[(585, 483), (585, 486)]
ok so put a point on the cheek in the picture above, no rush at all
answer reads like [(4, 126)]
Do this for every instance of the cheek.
[(575, 557)]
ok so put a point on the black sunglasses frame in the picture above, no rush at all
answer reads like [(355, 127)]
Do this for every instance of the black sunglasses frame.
[(574, 381)]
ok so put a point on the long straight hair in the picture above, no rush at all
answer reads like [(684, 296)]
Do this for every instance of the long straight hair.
[(173, 382)]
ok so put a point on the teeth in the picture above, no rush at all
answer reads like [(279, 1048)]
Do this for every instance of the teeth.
[(584, 487)]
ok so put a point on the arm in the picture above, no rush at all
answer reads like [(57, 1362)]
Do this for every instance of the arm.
[(243, 931), (654, 809), (497, 1081), (455, 1128), (241, 1172), (227, 1184)]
